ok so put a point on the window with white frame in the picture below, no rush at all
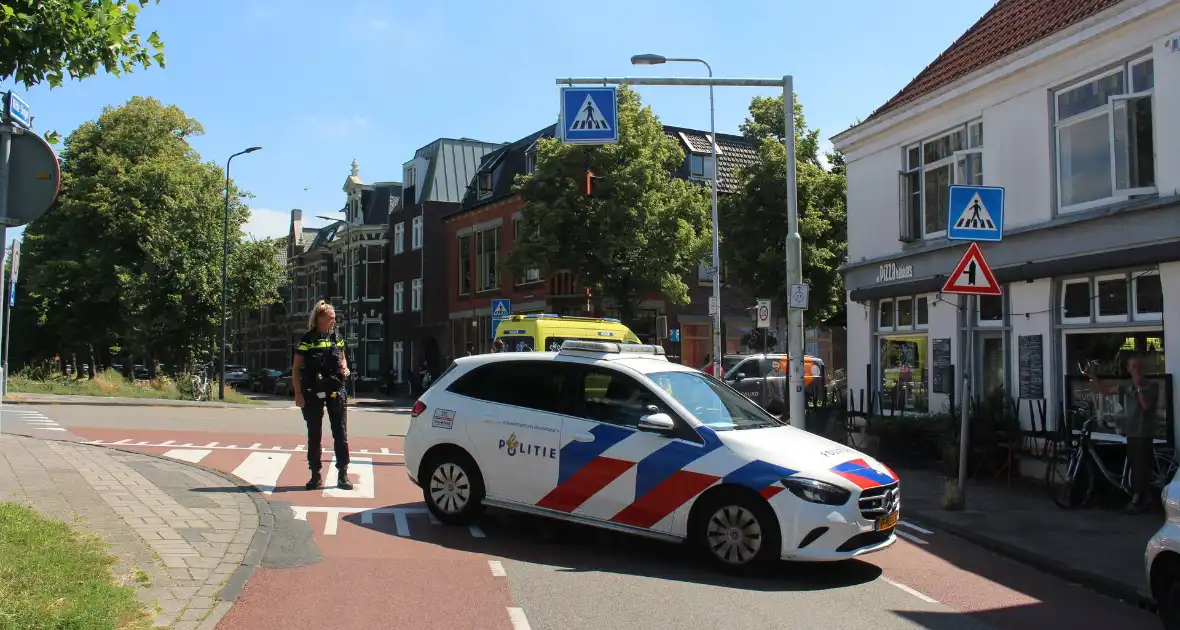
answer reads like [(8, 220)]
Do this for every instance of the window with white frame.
[(411, 177), (1105, 136), (399, 297), (531, 275), (416, 233), (416, 295), (530, 161), (700, 166), (487, 259), (484, 184), (930, 168), (1116, 297), (397, 355), (399, 238), (989, 310), (903, 313)]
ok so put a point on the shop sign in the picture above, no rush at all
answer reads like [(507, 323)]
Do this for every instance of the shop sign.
[(891, 272)]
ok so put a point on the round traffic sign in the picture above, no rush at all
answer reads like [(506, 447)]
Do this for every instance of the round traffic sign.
[(763, 313), (34, 178)]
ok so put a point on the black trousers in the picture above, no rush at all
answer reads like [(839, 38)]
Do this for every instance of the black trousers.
[(1141, 452), (313, 415)]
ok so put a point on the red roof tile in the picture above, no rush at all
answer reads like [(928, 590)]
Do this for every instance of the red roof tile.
[(1009, 26)]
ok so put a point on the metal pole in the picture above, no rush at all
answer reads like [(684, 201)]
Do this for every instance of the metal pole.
[(224, 265), (8, 304), (794, 263), (5, 154), (717, 341), (964, 402)]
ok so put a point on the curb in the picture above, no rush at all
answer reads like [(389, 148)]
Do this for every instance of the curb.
[(129, 402), (1093, 581), (258, 544)]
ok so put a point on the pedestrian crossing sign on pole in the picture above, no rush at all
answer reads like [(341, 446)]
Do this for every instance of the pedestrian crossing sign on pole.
[(501, 310), (972, 276), (976, 214), (589, 115)]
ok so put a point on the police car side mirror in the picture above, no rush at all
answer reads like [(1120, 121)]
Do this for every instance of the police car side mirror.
[(656, 422)]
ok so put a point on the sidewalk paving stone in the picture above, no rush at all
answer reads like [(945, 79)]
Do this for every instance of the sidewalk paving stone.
[(132, 501), (1096, 547)]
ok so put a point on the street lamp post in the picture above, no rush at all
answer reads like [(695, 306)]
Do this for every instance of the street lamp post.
[(794, 249), (651, 60), (224, 268)]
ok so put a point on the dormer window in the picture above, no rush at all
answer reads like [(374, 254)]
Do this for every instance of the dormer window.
[(484, 182), (700, 166), (530, 161)]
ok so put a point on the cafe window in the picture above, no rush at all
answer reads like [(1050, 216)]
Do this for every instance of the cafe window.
[(903, 373), (1104, 354), (990, 310), (1113, 298), (903, 313)]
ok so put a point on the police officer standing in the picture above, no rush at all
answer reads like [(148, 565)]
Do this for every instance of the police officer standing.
[(318, 377)]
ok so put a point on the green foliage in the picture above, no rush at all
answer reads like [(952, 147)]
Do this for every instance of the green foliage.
[(754, 220), (640, 231), (49, 40), (130, 256)]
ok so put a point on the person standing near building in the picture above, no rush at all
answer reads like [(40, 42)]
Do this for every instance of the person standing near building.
[(318, 375), (1139, 423)]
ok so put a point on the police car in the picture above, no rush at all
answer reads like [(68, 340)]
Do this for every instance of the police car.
[(616, 436)]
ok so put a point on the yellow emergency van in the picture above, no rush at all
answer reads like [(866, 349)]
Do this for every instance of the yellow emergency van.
[(545, 333)]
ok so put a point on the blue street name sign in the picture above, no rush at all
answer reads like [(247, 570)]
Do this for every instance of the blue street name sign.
[(589, 115), (17, 110), (976, 214), (501, 310)]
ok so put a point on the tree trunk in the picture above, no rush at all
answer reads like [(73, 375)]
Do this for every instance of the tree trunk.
[(93, 364)]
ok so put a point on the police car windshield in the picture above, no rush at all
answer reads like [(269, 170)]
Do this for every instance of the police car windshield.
[(713, 403)]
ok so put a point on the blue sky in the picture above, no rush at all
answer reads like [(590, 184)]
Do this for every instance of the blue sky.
[(318, 84)]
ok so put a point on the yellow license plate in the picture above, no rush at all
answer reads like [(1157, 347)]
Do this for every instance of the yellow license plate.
[(887, 522)]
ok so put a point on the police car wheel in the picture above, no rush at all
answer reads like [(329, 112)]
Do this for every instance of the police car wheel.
[(454, 488), (737, 532)]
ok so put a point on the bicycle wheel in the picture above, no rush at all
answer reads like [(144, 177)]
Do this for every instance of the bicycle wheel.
[(1070, 480), (197, 388), (1165, 467)]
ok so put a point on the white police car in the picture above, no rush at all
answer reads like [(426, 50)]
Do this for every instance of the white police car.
[(616, 436), (1162, 558)]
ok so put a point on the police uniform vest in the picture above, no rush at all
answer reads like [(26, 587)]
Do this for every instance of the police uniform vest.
[(321, 361)]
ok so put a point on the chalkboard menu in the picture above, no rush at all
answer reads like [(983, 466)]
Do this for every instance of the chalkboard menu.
[(1030, 350), (942, 366)]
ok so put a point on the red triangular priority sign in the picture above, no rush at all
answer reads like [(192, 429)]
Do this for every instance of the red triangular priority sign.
[(972, 276)]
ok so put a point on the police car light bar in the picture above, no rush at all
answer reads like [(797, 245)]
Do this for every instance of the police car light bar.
[(610, 347)]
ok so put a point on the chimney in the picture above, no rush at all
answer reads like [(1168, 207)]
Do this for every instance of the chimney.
[(297, 224)]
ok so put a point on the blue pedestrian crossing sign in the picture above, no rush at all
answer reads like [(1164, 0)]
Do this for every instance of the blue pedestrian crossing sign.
[(589, 115), (501, 308), (976, 214)]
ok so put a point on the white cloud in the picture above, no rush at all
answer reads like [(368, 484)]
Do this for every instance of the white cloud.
[(265, 223), (825, 147)]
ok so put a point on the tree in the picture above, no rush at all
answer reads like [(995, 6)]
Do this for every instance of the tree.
[(638, 232), (130, 256), (754, 220), (47, 40)]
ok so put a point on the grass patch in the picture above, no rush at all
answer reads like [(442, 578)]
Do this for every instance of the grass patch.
[(52, 576), (112, 384)]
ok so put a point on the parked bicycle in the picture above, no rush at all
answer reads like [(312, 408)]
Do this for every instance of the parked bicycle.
[(202, 383), (1072, 476)]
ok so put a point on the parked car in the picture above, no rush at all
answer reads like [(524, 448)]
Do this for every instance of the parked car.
[(264, 380), (282, 386), (763, 379), (237, 376), (1163, 558)]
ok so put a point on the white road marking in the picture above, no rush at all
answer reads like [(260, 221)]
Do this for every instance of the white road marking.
[(910, 537), (915, 593), (365, 485), (171, 442), (262, 470), (497, 568), (32, 420), (234, 447), (477, 532), (519, 621), (332, 516), (920, 530), (46, 428), (192, 455)]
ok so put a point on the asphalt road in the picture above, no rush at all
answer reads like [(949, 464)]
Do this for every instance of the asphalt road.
[(373, 558)]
